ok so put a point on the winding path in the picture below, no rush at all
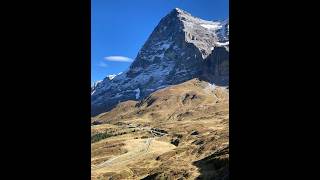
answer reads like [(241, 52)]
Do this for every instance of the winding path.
[(121, 159)]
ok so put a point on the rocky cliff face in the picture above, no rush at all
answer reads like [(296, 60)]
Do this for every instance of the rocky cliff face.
[(180, 48)]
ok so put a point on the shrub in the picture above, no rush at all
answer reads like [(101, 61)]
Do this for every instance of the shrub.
[(100, 136)]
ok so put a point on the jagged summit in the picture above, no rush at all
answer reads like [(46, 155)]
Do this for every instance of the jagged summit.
[(180, 11), (180, 48), (204, 34)]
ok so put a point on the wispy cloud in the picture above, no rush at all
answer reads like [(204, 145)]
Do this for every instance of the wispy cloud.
[(102, 64), (118, 59)]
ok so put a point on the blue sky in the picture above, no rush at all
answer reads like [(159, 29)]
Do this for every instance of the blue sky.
[(119, 28)]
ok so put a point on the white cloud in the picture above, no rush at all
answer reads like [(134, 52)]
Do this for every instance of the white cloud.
[(118, 59), (102, 64)]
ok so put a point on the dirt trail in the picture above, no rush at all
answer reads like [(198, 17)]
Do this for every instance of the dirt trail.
[(124, 158)]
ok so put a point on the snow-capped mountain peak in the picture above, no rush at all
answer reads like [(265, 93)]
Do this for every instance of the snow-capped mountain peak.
[(180, 48)]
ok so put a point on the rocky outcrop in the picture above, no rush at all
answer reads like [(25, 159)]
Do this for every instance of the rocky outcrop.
[(216, 67)]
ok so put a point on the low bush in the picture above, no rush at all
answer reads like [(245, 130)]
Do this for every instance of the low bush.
[(100, 136)]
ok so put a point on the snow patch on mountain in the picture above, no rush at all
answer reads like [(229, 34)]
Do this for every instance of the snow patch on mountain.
[(111, 76), (222, 43), (212, 26), (94, 85), (210, 87), (137, 93)]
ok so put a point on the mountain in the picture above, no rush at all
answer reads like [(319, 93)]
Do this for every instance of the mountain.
[(180, 48), (98, 84), (178, 132), (94, 85)]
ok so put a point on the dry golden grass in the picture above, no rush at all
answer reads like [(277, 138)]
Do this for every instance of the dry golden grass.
[(179, 110)]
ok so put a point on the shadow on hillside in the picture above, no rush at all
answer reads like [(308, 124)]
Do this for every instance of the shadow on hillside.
[(215, 166)]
